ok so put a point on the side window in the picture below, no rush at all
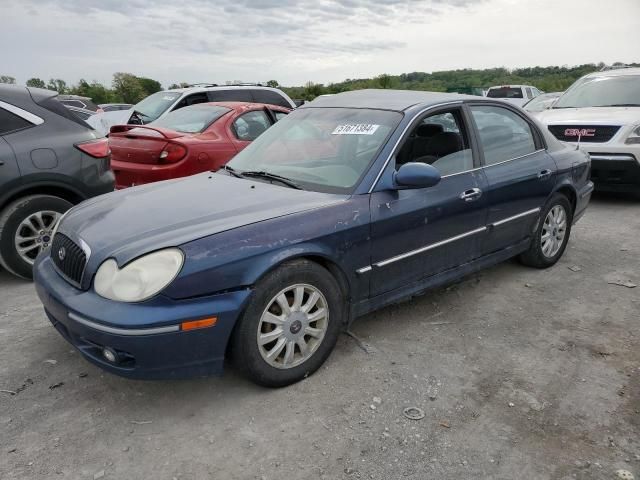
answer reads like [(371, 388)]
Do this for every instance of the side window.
[(503, 134), (440, 140), (237, 95), (278, 115), (270, 98), (192, 99), (529, 94), (250, 126), (10, 122)]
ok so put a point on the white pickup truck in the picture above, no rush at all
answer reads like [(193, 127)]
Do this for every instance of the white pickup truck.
[(516, 94)]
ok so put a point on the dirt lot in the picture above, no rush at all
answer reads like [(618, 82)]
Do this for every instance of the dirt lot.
[(521, 374)]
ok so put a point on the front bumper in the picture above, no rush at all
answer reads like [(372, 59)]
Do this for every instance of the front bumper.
[(143, 335), (615, 172)]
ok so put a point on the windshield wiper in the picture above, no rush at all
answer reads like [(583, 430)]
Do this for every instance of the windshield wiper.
[(232, 171), (271, 176)]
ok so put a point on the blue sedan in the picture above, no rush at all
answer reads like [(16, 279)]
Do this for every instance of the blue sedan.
[(350, 203)]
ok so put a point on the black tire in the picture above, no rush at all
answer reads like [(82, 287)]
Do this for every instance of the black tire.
[(10, 219), (535, 257), (244, 344)]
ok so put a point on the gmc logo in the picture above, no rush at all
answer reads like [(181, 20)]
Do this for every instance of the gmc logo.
[(580, 132)]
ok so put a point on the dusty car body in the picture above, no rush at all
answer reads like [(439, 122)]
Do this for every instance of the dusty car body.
[(351, 202)]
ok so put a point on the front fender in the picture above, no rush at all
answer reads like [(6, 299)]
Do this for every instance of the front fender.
[(238, 258)]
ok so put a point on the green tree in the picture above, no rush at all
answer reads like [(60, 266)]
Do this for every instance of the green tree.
[(312, 90), (127, 87), (273, 84), (384, 80), (95, 91), (149, 85), (7, 79), (36, 82), (58, 85)]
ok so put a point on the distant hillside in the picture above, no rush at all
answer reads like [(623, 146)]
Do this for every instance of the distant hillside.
[(548, 79)]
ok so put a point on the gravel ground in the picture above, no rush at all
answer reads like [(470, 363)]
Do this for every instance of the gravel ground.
[(521, 374)]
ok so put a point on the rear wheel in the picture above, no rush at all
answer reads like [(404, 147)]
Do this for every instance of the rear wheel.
[(552, 235), (290, 325), (26, 226)]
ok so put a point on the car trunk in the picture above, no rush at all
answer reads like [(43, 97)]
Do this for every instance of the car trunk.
[(141, 145)]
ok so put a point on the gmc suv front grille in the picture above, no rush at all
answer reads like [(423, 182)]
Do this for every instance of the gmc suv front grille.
[(68, 257), (586, 133)]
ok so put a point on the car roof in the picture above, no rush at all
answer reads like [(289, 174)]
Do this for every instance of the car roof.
[(618, 72), (208, 88), (384, 99), (510, 85)]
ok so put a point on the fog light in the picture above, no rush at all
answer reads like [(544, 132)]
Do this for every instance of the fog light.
[(109, 355)]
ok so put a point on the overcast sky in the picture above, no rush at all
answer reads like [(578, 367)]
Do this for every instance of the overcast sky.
[(294, 41)]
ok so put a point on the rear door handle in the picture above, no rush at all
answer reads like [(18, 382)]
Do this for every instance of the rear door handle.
[(471, 195), (544, 174)]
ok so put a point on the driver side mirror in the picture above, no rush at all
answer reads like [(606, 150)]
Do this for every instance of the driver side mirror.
[(416, 175)]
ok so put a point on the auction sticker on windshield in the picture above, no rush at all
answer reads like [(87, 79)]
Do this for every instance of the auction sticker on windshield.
[(355, 129)]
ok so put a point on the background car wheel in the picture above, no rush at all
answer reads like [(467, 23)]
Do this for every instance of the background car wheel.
[(552, 234), (290, 325), (25, 230)]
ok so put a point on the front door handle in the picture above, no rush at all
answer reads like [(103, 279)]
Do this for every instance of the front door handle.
[(471, 195), (544, 174)]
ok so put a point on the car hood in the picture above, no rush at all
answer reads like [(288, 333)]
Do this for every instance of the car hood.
[(590, 116), (102, 122), (128, 223)]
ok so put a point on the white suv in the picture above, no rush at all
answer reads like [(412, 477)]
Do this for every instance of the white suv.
[(601, 113), (159, 104), (516, 94)]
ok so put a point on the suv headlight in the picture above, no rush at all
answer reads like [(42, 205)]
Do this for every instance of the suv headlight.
[(634, 136), (140, 279)]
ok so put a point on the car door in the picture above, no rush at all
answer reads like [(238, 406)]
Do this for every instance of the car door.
[(248, 126), (520, 173), (416, 233)]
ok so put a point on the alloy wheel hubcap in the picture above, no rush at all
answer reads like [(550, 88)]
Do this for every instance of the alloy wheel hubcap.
[(293, 326), (34, 234), (554, 230)]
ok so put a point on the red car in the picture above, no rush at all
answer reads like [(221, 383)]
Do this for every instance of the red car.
[(190, 140)]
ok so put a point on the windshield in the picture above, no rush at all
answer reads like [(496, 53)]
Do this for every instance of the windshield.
[(505, 92), (320, 149), (155, 105), (192, 119), (602, 92)]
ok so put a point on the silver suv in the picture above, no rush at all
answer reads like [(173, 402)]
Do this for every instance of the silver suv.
[(159, 104)]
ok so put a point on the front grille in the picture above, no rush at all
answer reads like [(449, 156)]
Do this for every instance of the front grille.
[(586, 133), (68, 257)]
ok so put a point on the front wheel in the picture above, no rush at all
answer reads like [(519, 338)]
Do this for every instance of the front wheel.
[(552, 234), (26, 226), (290, 325)]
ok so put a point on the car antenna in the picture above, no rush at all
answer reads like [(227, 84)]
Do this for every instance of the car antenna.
[(578, 145)]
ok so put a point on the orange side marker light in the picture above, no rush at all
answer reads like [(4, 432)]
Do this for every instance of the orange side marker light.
[(195, 324)]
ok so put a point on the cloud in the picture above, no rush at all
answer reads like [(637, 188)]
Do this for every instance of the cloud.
[(290, 40)]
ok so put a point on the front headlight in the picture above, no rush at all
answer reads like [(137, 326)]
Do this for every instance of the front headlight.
[(140, 279), (634, 136)]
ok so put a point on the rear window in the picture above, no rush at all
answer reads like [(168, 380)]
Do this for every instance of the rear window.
[(192, 119), (10, 122), (53, 105), (505, 92), (271, 98)]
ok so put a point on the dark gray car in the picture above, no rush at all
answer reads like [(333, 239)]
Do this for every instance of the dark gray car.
[(49, 160)]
